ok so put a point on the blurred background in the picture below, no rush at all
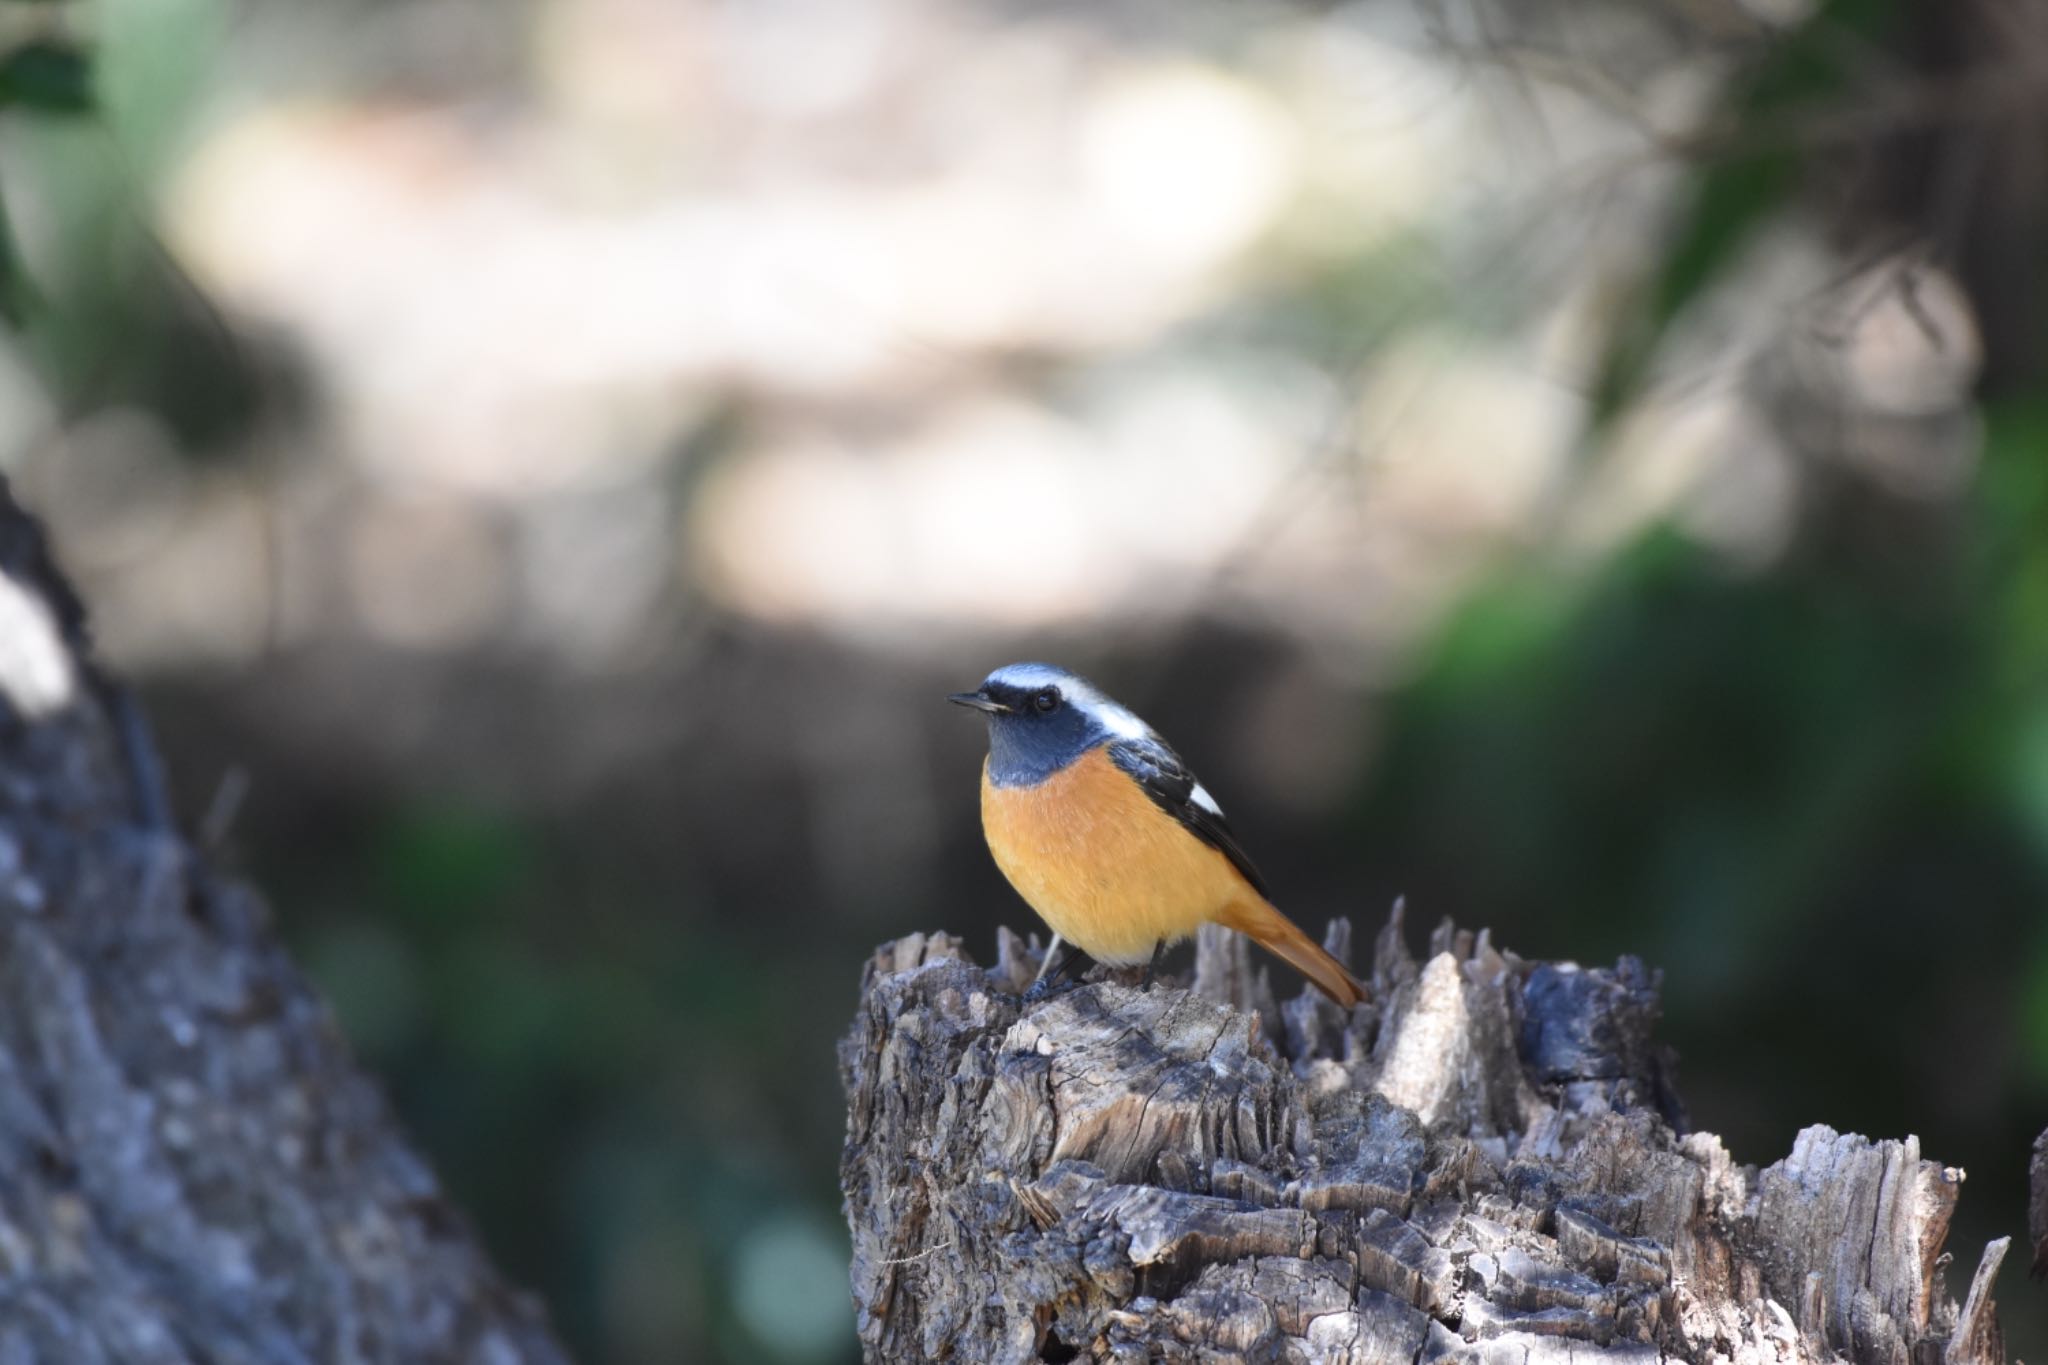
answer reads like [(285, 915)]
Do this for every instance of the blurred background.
[(1581, 465)]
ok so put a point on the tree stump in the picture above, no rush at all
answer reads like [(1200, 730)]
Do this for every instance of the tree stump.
[(192, 1168), (1486, 1163)]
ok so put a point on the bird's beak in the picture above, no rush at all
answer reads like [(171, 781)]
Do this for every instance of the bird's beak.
[(980, 701)]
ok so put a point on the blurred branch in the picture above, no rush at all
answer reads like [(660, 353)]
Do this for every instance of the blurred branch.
[(2037, 1205), (1924, 117), (191, 1157), (1733, 192), (48, 77), (44, 72)]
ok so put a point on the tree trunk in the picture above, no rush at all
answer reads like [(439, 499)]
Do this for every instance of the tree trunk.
[(192, 1168), (1487, 1163)]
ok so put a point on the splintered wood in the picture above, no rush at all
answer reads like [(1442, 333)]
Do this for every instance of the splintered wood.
[(1488, 1163)]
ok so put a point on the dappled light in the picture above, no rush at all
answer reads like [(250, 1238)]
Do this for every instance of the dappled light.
[(545, 465)]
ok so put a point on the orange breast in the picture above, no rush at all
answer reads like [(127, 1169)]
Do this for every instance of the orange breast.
[(1110, 871)]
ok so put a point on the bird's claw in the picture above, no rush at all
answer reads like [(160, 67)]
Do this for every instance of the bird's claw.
[(1045, 988)]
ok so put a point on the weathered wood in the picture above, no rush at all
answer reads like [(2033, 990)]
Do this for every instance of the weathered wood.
[(192, 1168), (1487, 1163)]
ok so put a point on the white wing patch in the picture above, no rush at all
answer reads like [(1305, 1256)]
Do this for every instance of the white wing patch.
[(1200, 796)]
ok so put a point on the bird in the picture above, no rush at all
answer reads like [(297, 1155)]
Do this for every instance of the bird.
[(1107, 835)]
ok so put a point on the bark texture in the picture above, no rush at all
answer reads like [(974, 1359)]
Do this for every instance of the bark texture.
[(192, 1168), (1486, 1164), (2037, 1205)]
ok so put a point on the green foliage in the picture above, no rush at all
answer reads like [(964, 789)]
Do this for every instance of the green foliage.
[(1817, 798), (47, 78), (96, 303), (616, 1086), (37, 77), (449, 864), (156, 58)]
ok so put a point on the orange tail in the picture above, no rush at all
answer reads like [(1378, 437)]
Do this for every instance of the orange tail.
[(1279, 935)]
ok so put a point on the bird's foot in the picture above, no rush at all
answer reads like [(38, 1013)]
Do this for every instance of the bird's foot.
[(1035, 992), (1045, 988), (1060, 975), (1152, 968)]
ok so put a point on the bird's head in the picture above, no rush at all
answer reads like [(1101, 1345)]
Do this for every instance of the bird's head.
[(1041, 718)]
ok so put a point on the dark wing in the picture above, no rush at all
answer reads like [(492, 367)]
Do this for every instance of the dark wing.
[(1166, 779)]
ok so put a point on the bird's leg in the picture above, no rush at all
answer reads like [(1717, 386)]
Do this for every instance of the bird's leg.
[(1052, 951), (1152, 967), (1071, 963)]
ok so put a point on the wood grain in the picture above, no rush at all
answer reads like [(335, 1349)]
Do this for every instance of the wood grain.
[(1489, 1164)]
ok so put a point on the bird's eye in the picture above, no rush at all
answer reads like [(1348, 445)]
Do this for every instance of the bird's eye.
[(1046, 699)]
